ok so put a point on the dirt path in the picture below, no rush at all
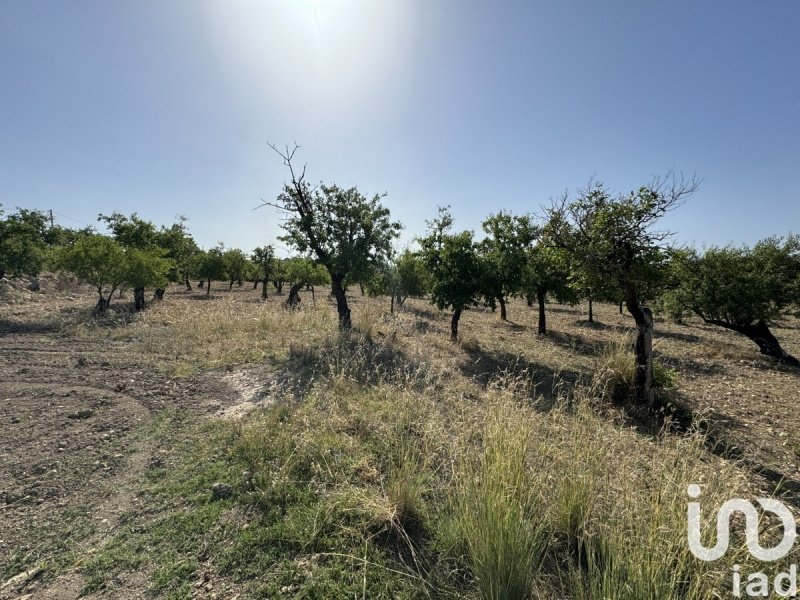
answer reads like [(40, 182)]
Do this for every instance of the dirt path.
[(71, 453)]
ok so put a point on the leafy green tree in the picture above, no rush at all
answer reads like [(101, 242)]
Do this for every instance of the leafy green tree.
[(455, 267), (613, 238), (264, 259), (210, 266), (546, 271), (22, 242), (741, 289), (134, 232), (98, 261), (145, 268), (303, 272), (236, 263), (180, 249), (346, 232), (504, 252), (403, 277)]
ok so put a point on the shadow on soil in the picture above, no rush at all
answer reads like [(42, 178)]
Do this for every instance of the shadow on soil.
[(488, 367)]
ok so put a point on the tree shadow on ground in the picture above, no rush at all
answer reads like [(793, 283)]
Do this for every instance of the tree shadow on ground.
[(21, 328), (492, 367), (355, 357), (675, 416), (574, 343), (422, 313)]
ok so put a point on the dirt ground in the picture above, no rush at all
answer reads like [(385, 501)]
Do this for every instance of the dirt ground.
[(70, 456), (72, 407)]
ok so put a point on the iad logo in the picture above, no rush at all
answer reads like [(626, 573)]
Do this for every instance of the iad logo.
[(751, 528), (756, 585)]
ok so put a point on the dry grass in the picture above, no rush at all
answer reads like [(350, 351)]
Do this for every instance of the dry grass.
[(484, 468)]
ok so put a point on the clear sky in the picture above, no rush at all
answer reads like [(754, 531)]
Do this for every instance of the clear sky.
[(164, 107)]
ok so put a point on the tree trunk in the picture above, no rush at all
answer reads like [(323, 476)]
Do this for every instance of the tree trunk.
[(529, 300), (208, 287), (502, 308), (540, 296), (188, 285), (102, 303), (264, 294), (760, 334), (138, 299), (591, 312), (643, 390), (341, 303), (2, 272), (239, 283), (391, 305), (620, 306), (159, 294), (313, 297), (230, 287), (201, 283), (255, 283), (278, 286), (293, 301), (454, 325), (361, 286)]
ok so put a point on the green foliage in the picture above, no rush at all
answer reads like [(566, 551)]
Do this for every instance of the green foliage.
[(210, 265), (350, 234), (180, 249), (547, 271), (403, 277), (737, 285), (146, 268), (22, 242), (612, 238), (236, 263), (131, 232), (305, 271), (453, 263), (505, 253), (98, 261), (264, 259)]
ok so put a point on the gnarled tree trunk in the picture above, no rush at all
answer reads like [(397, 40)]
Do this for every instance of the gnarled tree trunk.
[(263, 289), (540, 296), (138, 299), (188, 285), (158, 294), (293, 301), (341, 303), (760, 334), (454, 325), (502, 308), (643, 390)]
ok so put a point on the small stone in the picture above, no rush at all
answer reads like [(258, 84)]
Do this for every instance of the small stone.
[(220, 491), (82, 361), (82, 414)]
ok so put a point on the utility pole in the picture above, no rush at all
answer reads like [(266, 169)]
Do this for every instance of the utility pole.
[(51, 218)]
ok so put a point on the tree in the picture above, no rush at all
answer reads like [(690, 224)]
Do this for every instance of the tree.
[(98, 261), (454, 265), (134, 232), (348, 233), (613, 238), (546, 271), (210, 265), (264, 258), (180, 249), (741, 289), (235, 265), (22, 242), (504, 251), (402, 277), (143, 269), (303, 272)]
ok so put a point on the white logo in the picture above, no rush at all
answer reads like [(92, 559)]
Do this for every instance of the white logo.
[(751, 528)]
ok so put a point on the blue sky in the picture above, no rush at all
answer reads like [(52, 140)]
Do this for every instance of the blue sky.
[(165, 108)]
